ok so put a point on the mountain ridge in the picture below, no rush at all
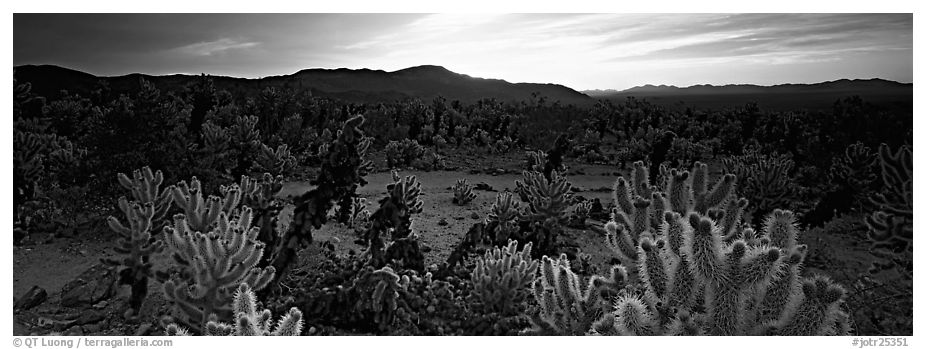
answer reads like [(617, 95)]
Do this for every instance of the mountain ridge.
[(353, 85)]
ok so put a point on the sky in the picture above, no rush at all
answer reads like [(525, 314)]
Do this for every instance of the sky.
[(581, 51)]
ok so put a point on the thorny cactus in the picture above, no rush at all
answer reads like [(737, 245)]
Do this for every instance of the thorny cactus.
[(746, 282), (891, 226), (248, 320), (214, 263), (277, 161), (342, 171), (379, 292), (640, 208), (568, 307), (359, 215), (581, 212), (404, 153), (347, 204), (135, 246), (504, 214), (393, 217), (765, 179), (145, 187), (501, 275), (546, 199), (37, 157), (201, 213), (856, 170), (260, 196), (463, 192)]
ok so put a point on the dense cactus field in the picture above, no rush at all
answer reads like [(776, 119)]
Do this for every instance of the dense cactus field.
[(200, 212)]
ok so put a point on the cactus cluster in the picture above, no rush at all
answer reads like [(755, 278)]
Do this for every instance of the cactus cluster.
[(342, 171), (393, 217), (501, 275), (567, 305), (403, 153), (891, 226), (703, 272), (278, 161), (135, 245), (215, 256), (765, 179), (260, 196), (545, 198), (581, 212), (463, 192), (504, 215), (248, 320)]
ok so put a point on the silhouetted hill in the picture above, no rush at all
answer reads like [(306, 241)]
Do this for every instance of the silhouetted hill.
[(786, 96), (360, 85)]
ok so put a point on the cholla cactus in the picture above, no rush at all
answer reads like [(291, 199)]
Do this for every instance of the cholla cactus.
[(359, 215), (536, 160), (342, 170), (504, 213), (500, 276), (135, 247), (747, 282), (581, 212), (891, 226), (277, 161), (260, 196), (249, 321), (567, 307), (394, 215), (135, 244), (214, 263), (404, 153), (640, 208), (463, 192), (546, 199), (380, 294), (765, 179), (145, 187), (199, 212)]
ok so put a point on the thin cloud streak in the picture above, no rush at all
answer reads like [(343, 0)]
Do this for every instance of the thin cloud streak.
[(213, 47)]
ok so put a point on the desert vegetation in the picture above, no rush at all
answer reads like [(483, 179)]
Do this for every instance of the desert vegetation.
[(274, 212)]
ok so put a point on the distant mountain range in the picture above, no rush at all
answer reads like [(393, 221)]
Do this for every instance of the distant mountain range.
[(428, 81), (360, 85), (785, 96)]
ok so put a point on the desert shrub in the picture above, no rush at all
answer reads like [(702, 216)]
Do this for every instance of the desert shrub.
[(404, 153)]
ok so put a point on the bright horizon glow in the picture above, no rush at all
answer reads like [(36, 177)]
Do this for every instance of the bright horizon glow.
[(581, 51)]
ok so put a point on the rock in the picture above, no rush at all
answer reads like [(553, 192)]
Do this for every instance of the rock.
[(90, 317), (483, 186), (75, 331), (54, 325), (93, 328), (474, 215), (34, 297), (90, 287), (101, 305), (442, 222), (144, 329)]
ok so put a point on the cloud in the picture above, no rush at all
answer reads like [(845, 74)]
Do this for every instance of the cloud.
[(212, 47)]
